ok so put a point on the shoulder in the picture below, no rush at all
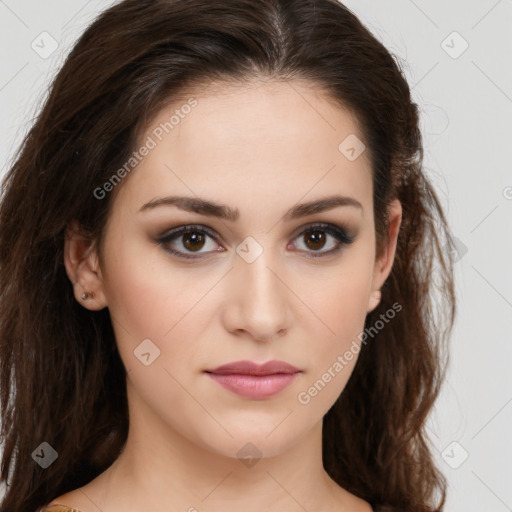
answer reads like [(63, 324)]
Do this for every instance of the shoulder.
[(387, 508), (58, 508), (74, 499)]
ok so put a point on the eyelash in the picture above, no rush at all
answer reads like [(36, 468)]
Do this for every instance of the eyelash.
[(338, 233)]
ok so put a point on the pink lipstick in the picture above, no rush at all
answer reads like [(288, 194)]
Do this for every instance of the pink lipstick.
[(254, 381)]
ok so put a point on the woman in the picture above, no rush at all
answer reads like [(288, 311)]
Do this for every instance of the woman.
[(217, 258)]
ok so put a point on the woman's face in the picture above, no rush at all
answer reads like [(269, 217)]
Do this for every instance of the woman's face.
[(278, 264)]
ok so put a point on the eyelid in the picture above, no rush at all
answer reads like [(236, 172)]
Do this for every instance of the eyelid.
[(326, 226), (342, 235), (177, 231)]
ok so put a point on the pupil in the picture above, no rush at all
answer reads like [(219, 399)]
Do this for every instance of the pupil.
[(317, 238), (193, 241)]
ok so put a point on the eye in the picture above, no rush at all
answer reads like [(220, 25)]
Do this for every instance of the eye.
[(194, 242), (323, 239), (184, 241)]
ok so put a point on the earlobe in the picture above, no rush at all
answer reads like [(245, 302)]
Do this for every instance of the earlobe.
[(374, 301), (82, 268)]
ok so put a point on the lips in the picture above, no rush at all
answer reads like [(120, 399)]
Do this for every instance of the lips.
[(252, 380), (250, 368)]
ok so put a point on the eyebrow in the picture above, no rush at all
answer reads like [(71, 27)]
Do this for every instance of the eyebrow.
[(212, 209)]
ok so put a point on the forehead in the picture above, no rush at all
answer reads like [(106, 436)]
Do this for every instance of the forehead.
[(277, 138)]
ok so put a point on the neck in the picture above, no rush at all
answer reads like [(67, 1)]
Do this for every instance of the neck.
[(161, 469)]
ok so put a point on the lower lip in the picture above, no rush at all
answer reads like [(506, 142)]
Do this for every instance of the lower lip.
[(256, 387)]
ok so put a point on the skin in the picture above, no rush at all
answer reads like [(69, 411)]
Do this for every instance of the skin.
[(261, 149)]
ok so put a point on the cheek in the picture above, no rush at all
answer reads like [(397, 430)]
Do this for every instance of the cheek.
[(339, 294), (147, 295), (340, 304), (159, 311)]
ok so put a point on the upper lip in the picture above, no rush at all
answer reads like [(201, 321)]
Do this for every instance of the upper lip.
[(251, 368)]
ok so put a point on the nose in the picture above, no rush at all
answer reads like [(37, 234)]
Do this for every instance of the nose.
[(257, 300)]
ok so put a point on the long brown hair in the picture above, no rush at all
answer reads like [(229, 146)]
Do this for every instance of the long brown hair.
[(62, 380)]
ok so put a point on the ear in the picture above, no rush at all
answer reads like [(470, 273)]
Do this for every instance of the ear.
[(384, 263), (82, 267)]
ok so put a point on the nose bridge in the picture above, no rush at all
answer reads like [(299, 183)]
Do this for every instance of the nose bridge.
[(261, 301)]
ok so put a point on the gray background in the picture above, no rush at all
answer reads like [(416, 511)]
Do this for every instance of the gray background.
[(465, 96)]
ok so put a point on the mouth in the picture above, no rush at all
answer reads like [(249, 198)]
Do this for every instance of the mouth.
[(254, 381)]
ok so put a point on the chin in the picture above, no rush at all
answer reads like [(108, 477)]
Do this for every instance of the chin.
[(255, 440)]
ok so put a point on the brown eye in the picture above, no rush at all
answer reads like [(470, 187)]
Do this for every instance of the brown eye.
[(323, 240), (315, 240), (193, 241), (190, 242)]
